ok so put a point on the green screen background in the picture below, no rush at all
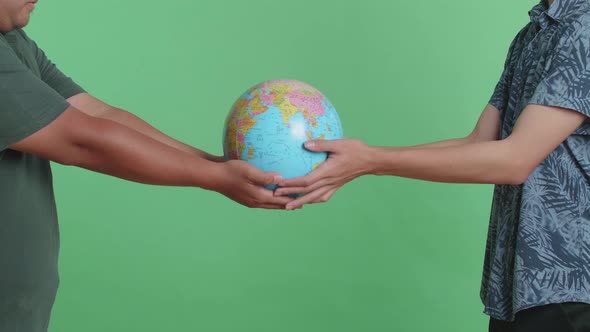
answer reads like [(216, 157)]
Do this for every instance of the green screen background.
[(385, 254)]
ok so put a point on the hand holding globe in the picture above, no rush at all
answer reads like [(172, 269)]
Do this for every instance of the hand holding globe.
[(268, 125)]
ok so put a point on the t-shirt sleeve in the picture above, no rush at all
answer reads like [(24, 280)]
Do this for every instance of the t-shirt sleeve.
[(500, 96), (27, 104), (51, 75), (566, 80)]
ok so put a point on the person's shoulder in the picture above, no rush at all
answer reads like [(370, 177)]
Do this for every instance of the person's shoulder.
[(520, 36), (525, 29), (579, 25)]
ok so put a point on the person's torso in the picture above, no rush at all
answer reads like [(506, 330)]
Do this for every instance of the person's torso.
[(29, 236), (538, 248)]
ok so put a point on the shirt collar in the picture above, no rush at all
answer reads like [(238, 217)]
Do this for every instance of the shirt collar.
[(9, 37), (559, 9)]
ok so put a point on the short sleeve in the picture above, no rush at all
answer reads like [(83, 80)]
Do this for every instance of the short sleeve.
[(27, 104), (500, 96), (566, 81), (50, 74)]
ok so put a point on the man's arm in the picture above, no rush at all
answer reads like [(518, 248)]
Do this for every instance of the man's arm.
[(97, 108), (538, 131), (486, 129), (105, 146)]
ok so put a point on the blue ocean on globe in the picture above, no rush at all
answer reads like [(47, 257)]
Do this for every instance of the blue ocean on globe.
[(268, 125)]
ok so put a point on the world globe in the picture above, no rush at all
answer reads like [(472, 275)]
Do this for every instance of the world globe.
[(269, 123)]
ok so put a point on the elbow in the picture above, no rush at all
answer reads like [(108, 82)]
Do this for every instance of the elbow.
[(517, 179), (66, 159), (71, 155), (67, 140), (80, 139), (518, 172), (516, 162)]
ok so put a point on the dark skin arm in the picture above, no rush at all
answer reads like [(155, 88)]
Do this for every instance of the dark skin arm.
[(108, 147), (97, 108)]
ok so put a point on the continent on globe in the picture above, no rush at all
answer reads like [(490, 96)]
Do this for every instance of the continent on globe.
[(269, 123)]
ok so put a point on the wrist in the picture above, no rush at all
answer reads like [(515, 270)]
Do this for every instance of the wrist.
[(209, 175), (371, 160), (381, 158)]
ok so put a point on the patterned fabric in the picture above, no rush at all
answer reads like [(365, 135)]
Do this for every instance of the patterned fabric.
[(538, 247)]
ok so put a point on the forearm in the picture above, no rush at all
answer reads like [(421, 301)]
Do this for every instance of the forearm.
[(439, 144), (114, 149), (487, 129), (477, 162), (130, 120)]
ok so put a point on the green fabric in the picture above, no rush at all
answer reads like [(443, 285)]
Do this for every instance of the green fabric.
[(33, 93)]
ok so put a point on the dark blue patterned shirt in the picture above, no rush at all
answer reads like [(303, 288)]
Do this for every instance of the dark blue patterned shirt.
[(538, 247)]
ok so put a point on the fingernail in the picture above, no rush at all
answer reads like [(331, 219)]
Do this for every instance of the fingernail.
[(309, 144), (278, 179)]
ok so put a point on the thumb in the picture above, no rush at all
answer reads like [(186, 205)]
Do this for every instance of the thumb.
[(266, 179), (321, 145)]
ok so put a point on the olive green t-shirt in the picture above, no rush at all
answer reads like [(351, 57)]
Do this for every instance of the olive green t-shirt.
[(33, 93)]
